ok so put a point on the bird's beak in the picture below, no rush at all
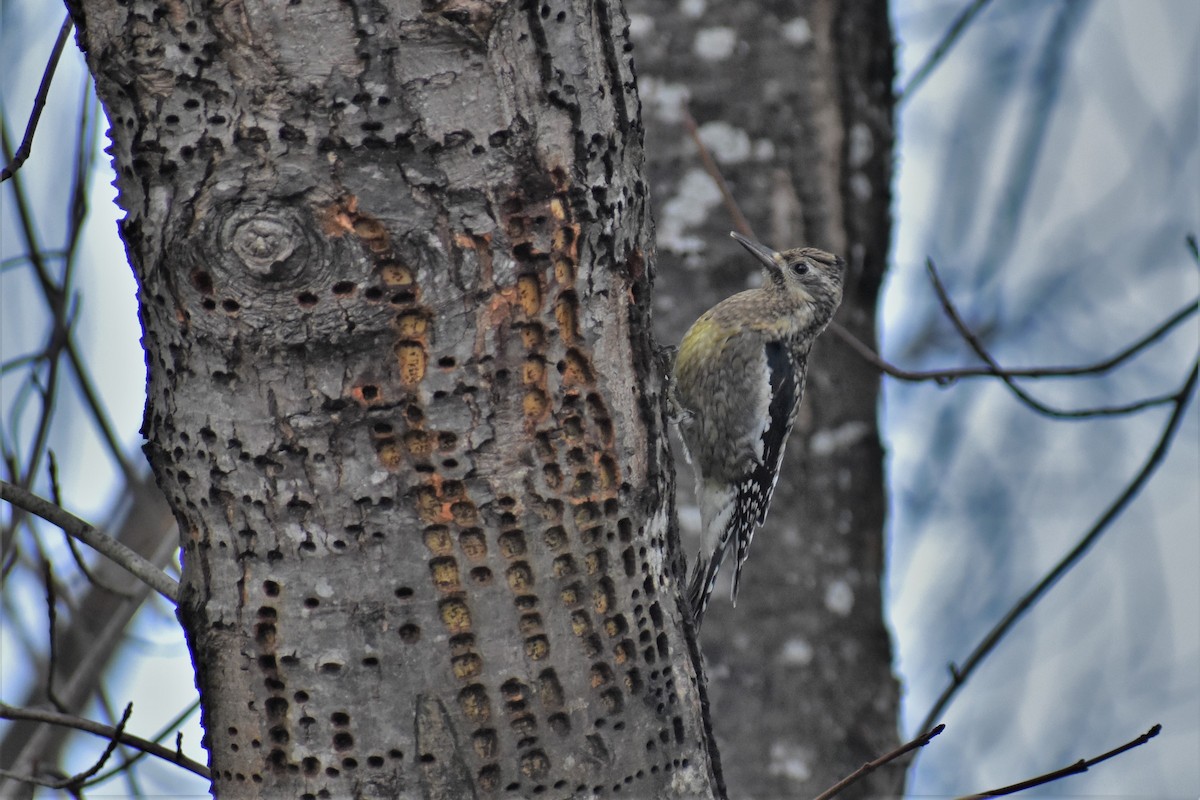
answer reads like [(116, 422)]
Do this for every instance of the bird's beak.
[(769, 258)]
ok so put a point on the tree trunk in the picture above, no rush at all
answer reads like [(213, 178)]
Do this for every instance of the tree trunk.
[(795, 102), (395, 291)]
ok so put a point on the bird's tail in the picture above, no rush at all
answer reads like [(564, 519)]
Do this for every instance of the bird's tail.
[(700, 586), (716, 508)]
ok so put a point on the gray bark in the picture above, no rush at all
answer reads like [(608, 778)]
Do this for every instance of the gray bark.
[(394, 284), (801, 681)]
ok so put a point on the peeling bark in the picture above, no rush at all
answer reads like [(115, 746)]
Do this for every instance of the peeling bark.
[(394, 286)]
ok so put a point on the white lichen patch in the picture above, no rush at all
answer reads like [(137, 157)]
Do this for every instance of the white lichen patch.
[(715, 44), (695, 198), (860, 185), (862, 145), (796, 653), (728, 144), (797, 31), (665, 100), (790, 760), (764, 150), (839, 598), (827, 442), (640, 26)]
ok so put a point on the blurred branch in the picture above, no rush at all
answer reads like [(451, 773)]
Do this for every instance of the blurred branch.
[(79, 723), (80, 563), (959, 675), (1078, 767), (138, 566), (710, 166), (939, 51), (971, 339), (39, 102), (52, 615), (871, 766), (96, 629), (55, 300), (945, 377)]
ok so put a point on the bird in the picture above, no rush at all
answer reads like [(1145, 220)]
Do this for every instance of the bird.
[(737, 383)]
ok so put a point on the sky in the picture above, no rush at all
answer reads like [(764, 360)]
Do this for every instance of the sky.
[(1049, 168)]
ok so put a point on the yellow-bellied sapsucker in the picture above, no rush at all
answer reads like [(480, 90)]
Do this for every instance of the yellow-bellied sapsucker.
[(739, 377)]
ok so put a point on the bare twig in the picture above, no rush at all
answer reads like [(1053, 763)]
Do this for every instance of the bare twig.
[(973, 341), (54, 294), (948, 40), (52, 615), (39, 102), (959, 674), (710, 166), (80, 563), (952, 374), (1074, 769), (74, 782), (871, 766), (158, 737), (138, 566), (106, 731)]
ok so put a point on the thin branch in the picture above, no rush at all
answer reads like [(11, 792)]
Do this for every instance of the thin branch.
[(871, 766), (128, 776), (1074, 769), (105, 731), (952, 374), (138, 566), (52, 615), (959, 675), (710, 166), (158, 737), (75, 781), (80, 563), (935, 57), (39, 102), (55, 297), (973, 341)]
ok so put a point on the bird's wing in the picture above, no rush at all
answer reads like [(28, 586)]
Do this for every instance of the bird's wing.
[(755, 490)]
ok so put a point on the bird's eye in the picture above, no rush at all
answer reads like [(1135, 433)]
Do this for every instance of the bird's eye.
[(800, 267)]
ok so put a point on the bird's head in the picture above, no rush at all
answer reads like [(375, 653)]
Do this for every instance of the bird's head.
[(807, 275)]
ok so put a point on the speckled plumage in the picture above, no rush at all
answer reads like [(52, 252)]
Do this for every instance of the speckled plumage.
[(738, 382)]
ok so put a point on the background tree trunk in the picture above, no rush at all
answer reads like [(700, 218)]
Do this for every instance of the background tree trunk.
[(395, 293), (794, 100)]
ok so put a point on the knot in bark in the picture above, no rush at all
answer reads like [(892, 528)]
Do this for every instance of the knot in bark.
[(263, 243)]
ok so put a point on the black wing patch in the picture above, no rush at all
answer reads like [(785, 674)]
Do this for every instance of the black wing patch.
[(755, 490)]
